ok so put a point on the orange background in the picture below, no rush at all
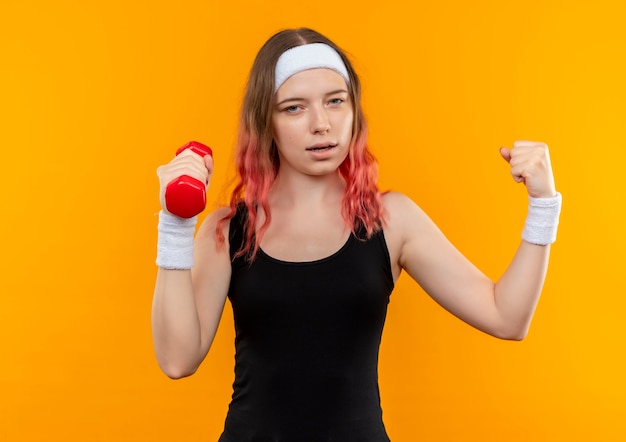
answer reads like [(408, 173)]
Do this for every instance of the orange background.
[(95, 95)]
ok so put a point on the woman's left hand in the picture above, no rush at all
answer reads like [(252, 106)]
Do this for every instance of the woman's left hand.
[(530, 164)]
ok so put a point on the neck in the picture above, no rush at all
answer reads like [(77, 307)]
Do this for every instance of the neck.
[(306, 191)]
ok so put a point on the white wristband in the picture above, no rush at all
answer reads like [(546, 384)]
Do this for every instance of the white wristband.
[(542, 220), (175, 241)]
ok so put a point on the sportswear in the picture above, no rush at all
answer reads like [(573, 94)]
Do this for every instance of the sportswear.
[(307, 342)]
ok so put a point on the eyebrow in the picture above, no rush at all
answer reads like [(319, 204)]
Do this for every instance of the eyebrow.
[(286, 100)]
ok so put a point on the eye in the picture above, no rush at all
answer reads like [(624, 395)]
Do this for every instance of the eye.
[(336, 101), (292, 109)]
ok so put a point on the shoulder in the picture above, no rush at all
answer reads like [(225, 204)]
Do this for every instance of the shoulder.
[(401, 210), (208, 228), (408, 230), (395, 200), (404, 217), (404, 223)]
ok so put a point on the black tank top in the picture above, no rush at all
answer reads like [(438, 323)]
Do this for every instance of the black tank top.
[(307, 341)]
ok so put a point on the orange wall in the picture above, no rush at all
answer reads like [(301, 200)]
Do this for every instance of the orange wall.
[(96, 94)]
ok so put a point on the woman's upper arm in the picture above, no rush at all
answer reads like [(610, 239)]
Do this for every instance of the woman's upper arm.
[(210, 276), (422, 250)]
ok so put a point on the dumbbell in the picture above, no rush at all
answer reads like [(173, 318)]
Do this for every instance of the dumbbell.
[(186, 196)]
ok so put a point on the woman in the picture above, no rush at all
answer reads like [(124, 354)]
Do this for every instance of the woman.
[(309, 250)]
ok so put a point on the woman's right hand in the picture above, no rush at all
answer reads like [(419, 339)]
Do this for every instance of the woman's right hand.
[(186, 163)]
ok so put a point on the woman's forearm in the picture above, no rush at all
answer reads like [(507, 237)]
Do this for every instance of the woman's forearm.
[(175, 323), (517, 291)]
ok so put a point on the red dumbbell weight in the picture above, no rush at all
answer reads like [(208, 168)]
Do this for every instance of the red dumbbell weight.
[(186, 196)]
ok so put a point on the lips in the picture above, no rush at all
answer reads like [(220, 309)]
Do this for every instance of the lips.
[(320, 147)]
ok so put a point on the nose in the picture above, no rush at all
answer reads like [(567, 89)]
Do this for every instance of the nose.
[(320, 122)]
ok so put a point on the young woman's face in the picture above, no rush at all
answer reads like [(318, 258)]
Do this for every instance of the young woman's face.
[(312, 122)]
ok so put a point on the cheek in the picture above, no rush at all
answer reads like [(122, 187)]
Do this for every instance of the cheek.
[(284, 134), (278, 130), (347, 123)]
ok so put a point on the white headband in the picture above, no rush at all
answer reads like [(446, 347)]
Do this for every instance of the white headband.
[(309, 56)]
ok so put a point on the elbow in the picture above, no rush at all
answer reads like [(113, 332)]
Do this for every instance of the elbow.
[(177, 371), (177, 374), (513, 334), (515, 337)]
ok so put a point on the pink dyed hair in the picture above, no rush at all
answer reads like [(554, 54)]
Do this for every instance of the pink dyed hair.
[(257, 161)]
